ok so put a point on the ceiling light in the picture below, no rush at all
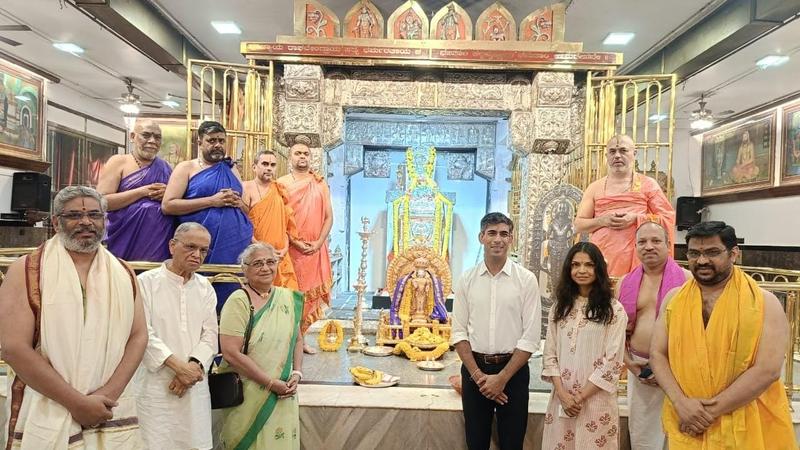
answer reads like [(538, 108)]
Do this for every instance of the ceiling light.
[(771, 61), (171, 103), (701, 124), (21, 98), (618, 38), (68, 47), (226, 27), (703, 118), (129, 108), (658, 117)]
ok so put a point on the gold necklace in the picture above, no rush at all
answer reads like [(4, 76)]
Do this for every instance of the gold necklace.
[(264, 295)]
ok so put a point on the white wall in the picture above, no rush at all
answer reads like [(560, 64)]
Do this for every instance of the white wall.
[(767, 221)]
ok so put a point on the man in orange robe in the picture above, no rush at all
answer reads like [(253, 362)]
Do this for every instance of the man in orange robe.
[(613, 207), (273, 220), (310, 200)]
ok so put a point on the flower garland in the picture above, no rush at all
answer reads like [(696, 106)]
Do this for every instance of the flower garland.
[(322, 337), (415, 354)]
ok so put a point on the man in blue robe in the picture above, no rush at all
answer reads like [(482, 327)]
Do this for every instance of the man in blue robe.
[(208, 190)]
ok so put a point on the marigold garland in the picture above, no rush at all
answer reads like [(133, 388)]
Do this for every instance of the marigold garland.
[(415, 354), (322, 337)]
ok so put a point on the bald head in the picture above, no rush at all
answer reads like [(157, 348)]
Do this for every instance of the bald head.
[(653, 226), (652, 245), (620, 152), (300, 156), (146, 138)]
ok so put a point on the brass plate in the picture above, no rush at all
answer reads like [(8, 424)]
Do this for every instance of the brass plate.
[(377, 350), (430, 365)]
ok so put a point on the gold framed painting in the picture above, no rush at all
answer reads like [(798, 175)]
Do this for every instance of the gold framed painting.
[(739, 157), (21, 119), (790, 152)]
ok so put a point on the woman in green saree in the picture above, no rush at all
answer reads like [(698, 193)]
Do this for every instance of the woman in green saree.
[(269, 417)]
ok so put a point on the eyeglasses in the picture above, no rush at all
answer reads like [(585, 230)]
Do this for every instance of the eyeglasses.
[(75, 216), (191, 248), (259, 263), (709, 254)]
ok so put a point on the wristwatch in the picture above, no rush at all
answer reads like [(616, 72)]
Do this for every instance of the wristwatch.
[(195, 360)]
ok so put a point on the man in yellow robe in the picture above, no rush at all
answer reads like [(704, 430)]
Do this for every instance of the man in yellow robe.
[(273, 219), (613, 208), (717, 351)]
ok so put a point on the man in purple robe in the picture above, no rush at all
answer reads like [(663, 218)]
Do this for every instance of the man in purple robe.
[(134, 185)]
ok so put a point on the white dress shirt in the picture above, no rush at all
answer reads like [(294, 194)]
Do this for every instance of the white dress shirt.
[(181, 321), (499, 313)]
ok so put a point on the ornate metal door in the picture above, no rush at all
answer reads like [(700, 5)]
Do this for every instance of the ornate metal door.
[(240, 97), (638, 106)]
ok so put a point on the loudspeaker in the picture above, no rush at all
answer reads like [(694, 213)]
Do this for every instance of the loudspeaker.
[(30, 190), (687, 212)]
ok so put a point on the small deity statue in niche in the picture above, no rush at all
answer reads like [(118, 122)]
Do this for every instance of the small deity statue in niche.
[(315, 23), (497, 33), (411, 27), (365, 24), (450, 22), (560, 237), (422, 283)]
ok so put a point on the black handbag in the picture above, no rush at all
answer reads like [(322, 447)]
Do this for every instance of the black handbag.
[(226, 388)]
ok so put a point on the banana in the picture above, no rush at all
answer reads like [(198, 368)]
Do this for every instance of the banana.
[(366, 375)]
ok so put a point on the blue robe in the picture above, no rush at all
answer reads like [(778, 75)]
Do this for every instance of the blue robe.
[(230, 228)]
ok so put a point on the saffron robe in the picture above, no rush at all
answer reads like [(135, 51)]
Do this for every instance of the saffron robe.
[(273, 222), (647, 200), (706, 359), (140, 231), (309, 199)]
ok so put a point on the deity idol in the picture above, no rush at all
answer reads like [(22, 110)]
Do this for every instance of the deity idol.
[(418, 296)]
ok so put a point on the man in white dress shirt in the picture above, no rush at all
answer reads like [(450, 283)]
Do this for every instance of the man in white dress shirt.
[(497, 315), (180, 306)]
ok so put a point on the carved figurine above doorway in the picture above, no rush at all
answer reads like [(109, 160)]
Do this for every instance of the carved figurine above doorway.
[(363, 21)]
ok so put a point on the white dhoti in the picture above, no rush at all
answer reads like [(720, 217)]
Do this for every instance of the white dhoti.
[(644, 413)]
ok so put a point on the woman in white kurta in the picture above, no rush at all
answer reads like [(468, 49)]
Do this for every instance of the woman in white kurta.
[(583, 355)]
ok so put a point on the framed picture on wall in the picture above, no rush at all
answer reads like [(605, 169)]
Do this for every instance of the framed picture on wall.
[(739, 157), (21, 121), (790, 154), (173, 138)]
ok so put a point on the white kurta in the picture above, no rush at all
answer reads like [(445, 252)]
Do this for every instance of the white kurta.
[(181, 321)]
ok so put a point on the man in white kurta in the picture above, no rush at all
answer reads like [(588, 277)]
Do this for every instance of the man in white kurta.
[(180, 307)]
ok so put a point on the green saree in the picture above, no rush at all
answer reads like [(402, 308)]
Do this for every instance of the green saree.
[(263, 421)]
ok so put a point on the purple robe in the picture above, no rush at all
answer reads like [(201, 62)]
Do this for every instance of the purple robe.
[(140, 231)]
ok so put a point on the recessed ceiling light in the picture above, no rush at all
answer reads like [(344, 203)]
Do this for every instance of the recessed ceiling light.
[(226, 27), (658, 117), (68, 47), (618, 38), (771, 61), (170, 103)]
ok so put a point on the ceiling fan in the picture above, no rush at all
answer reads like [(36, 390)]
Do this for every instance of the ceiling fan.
[(129, 102), (703, 118), (9, 41)]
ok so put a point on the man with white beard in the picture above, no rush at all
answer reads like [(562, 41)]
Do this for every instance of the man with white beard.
[(75, 339)]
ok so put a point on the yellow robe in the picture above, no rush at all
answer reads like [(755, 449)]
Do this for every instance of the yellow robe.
[(706, 360)]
